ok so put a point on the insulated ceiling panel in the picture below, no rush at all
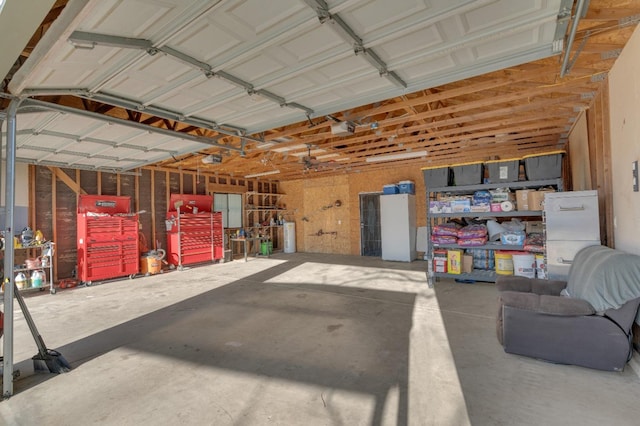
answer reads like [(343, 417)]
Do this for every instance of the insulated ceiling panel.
[(255, 65)]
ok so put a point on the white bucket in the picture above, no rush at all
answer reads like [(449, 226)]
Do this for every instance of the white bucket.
[(524, 265), (541, 268)]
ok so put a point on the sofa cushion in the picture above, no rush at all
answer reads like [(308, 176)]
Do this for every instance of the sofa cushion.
[(529, 285), (546, 304), (565, 306), (519, 300)]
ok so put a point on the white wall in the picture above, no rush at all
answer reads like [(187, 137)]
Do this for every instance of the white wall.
[(624, 93), (21, 211)]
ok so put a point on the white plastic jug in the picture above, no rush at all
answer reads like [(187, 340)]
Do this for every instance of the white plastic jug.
[(21, 280), (37, 279)]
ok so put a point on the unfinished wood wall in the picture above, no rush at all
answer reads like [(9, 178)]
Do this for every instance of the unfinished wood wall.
[(600, 155), (578, 150), (54, 194), (324, 227), (310, 199), (374, 182)]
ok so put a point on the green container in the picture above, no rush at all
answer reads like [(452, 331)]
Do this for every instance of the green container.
[(266, 248)]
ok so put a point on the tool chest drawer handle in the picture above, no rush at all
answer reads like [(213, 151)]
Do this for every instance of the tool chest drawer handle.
[(565, 261)]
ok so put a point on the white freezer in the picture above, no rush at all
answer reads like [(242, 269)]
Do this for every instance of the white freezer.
[(398, 227)]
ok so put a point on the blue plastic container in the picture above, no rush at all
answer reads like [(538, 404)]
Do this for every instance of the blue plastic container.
[(390, 189), (407, 187)]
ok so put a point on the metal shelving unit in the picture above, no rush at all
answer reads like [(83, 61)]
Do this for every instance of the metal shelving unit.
[(46, 250), (433, 218), (260, 208), (522, 184)]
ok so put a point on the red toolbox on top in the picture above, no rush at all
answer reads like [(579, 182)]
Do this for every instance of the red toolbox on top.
[(194, 231), (107, 238)]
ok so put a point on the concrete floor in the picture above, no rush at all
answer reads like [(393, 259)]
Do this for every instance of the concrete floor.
[(296, 339)]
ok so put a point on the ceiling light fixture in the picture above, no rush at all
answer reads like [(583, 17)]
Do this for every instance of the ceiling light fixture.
[(343, 128), (391, 157), (270, 172), (212, 159), (325, 156), (290, 148)]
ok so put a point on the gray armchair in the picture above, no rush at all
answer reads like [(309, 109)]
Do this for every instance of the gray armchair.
[(585, 321)]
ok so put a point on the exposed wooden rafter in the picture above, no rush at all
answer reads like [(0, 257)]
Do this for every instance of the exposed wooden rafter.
[(511, 112)]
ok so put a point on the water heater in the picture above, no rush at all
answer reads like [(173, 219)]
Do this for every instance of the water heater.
[(289, 237)]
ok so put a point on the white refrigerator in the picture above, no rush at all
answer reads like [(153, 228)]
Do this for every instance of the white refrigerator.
[(398, 227)]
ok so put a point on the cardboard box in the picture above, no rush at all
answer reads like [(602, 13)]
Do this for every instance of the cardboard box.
[(461, 206), (440, 264), (481, 208), (440, 260), (522, 199), (536, 198), (439, 206), (467, 263), (534, 227), (498, 196), (454, 261)]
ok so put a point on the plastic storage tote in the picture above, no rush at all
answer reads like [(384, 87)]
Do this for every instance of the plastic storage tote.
[(503, 170), (390, 189), (467, 173), (544, 166), (436, 177), (407, 187)]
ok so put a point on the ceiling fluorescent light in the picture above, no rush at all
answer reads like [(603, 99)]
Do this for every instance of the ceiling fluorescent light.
[(270, 172), (290, 148), (324, 157), (308, 152), (265, 145), (401, 156)]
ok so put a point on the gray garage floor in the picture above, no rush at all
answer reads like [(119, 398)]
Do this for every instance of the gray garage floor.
[(296, 339)]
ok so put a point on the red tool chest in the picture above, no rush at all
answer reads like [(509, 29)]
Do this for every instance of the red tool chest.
[(107, 238), (194, 232)]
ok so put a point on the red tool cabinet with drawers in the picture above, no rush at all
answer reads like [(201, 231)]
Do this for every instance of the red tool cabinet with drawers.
[(194, 232), (107, 238)]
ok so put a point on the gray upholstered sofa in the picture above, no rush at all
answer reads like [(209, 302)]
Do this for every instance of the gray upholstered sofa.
[(585, 321)]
